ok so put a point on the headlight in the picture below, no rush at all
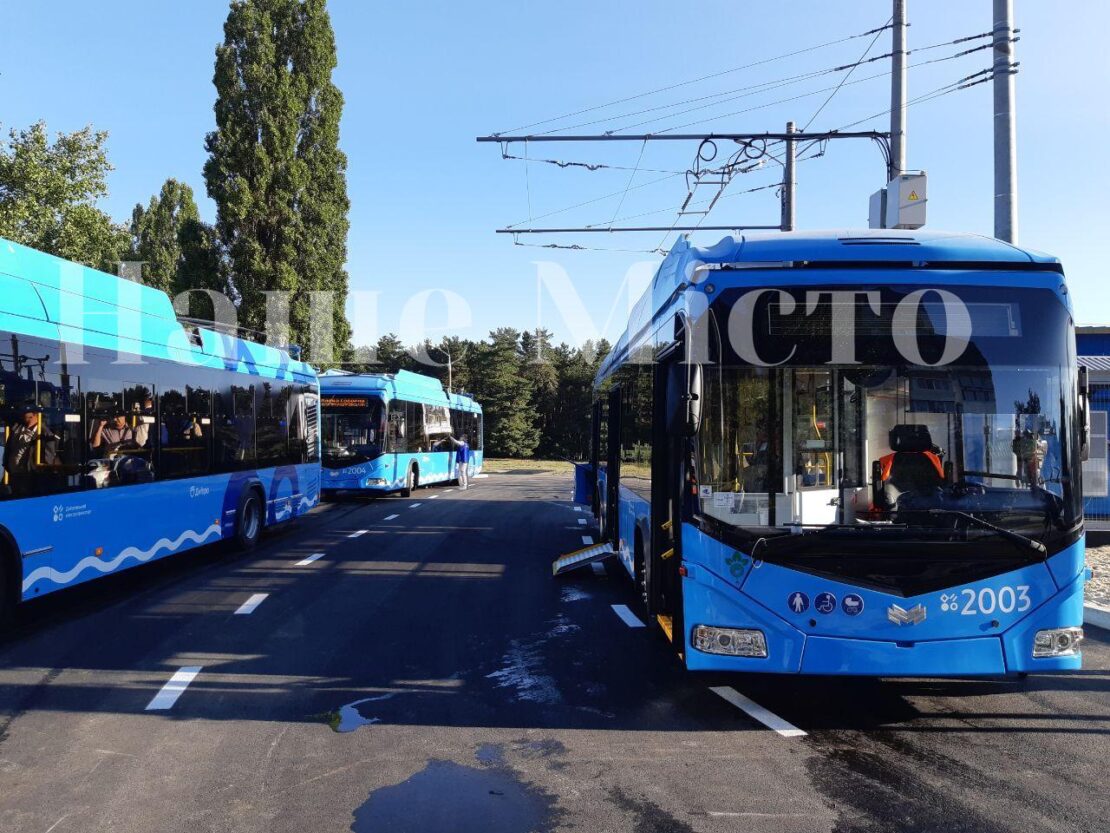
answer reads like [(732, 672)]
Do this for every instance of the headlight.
[(734, 642), (1057, 642)]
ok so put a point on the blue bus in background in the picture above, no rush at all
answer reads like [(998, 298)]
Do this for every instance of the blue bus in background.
[(852, 453), (387, 432), (128, 435)]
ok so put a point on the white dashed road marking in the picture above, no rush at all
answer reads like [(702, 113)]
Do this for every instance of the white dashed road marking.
[(169, 693), (757, 712), (598, 568), (581, 521), (358, 532), (627, 616), (391, 517), (413, 505), (577, 508), (250, 605), (587, 539), (446, 491), (304, 562), (432, 497)]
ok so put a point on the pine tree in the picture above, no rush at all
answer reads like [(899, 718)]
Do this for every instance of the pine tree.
[(391, 355), (178, 249), (505, 395), (275, 168), (48, 194), (536, 366)]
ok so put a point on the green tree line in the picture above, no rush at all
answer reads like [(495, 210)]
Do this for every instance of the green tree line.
[(536, 396)]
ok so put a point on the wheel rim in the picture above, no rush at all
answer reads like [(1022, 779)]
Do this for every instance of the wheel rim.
[(250, 519)]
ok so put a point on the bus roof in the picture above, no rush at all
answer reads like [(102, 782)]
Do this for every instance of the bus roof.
[(848, 248), (401, 385), (48, 297)]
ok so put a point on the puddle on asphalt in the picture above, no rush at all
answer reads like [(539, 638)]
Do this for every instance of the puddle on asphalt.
[(349, 718), (574, 594), (446, 797)]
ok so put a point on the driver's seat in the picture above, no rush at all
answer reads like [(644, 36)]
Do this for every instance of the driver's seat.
[(914, 465)]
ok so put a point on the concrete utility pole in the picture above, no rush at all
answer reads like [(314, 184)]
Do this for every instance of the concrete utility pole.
[(788, 181), (898, 91), (1005, 130)]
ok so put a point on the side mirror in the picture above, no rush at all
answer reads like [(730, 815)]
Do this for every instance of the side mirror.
[(684, 398), (1084, 415)]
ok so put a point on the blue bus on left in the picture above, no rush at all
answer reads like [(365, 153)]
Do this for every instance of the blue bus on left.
[(129, 435)]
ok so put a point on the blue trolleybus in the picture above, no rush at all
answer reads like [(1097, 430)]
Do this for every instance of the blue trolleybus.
[(386, 432), (850, 454), (128, 435)]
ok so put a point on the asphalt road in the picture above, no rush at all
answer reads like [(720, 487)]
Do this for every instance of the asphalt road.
[(426, 673)]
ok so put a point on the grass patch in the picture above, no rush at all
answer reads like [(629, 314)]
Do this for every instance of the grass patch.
[(512, 466)]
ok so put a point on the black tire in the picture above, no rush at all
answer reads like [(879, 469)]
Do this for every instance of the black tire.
[(248, 521), (410, 483)]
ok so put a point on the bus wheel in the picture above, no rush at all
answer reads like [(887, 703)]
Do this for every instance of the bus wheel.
[(410, 483), (248, 521)]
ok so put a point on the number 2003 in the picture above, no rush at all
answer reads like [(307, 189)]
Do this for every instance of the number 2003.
[(1005, 600)]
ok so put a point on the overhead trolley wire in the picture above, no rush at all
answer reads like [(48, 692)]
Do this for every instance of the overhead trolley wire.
[(598, 199), (843, 83), (589, 166), (847, 75), (696, 80), (632, 176)]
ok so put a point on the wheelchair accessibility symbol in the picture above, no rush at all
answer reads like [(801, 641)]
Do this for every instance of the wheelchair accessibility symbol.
[(825, 603)]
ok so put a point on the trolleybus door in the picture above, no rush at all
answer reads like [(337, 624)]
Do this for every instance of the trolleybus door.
[(613, 471), (664, 588)]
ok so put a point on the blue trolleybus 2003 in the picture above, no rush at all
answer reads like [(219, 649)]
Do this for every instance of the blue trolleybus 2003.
[(129, 435), (386, 432), (850, 453)]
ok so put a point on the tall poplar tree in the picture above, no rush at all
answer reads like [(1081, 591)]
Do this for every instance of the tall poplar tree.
[(275, 169)]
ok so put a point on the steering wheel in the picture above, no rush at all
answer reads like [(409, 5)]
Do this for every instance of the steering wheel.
[(965, 489)]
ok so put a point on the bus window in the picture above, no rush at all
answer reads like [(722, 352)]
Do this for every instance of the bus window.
[(737, 454), (272, 423), (40, 421), (138, 402), (437, 423), (235, 447), (397, 441), (813, 428), (414, 424), (183, 433)]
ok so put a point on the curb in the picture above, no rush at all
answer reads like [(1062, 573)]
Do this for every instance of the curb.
[(1096, 615)]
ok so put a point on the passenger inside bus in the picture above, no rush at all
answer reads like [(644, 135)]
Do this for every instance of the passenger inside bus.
[(110, 437), (22, 452), (144, 418)]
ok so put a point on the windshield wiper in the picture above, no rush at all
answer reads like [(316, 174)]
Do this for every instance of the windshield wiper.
[(1017, 538)]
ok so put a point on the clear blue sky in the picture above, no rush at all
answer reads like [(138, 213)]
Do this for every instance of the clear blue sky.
[(422, 80)]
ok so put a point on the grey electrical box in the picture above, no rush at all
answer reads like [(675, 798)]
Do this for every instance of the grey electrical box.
[(901, 204), (876, 214), (905, 201)]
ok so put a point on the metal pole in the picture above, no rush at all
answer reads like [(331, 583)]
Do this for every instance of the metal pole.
[(898, 92), (788, 182), (450, 375), (1005, 131)]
